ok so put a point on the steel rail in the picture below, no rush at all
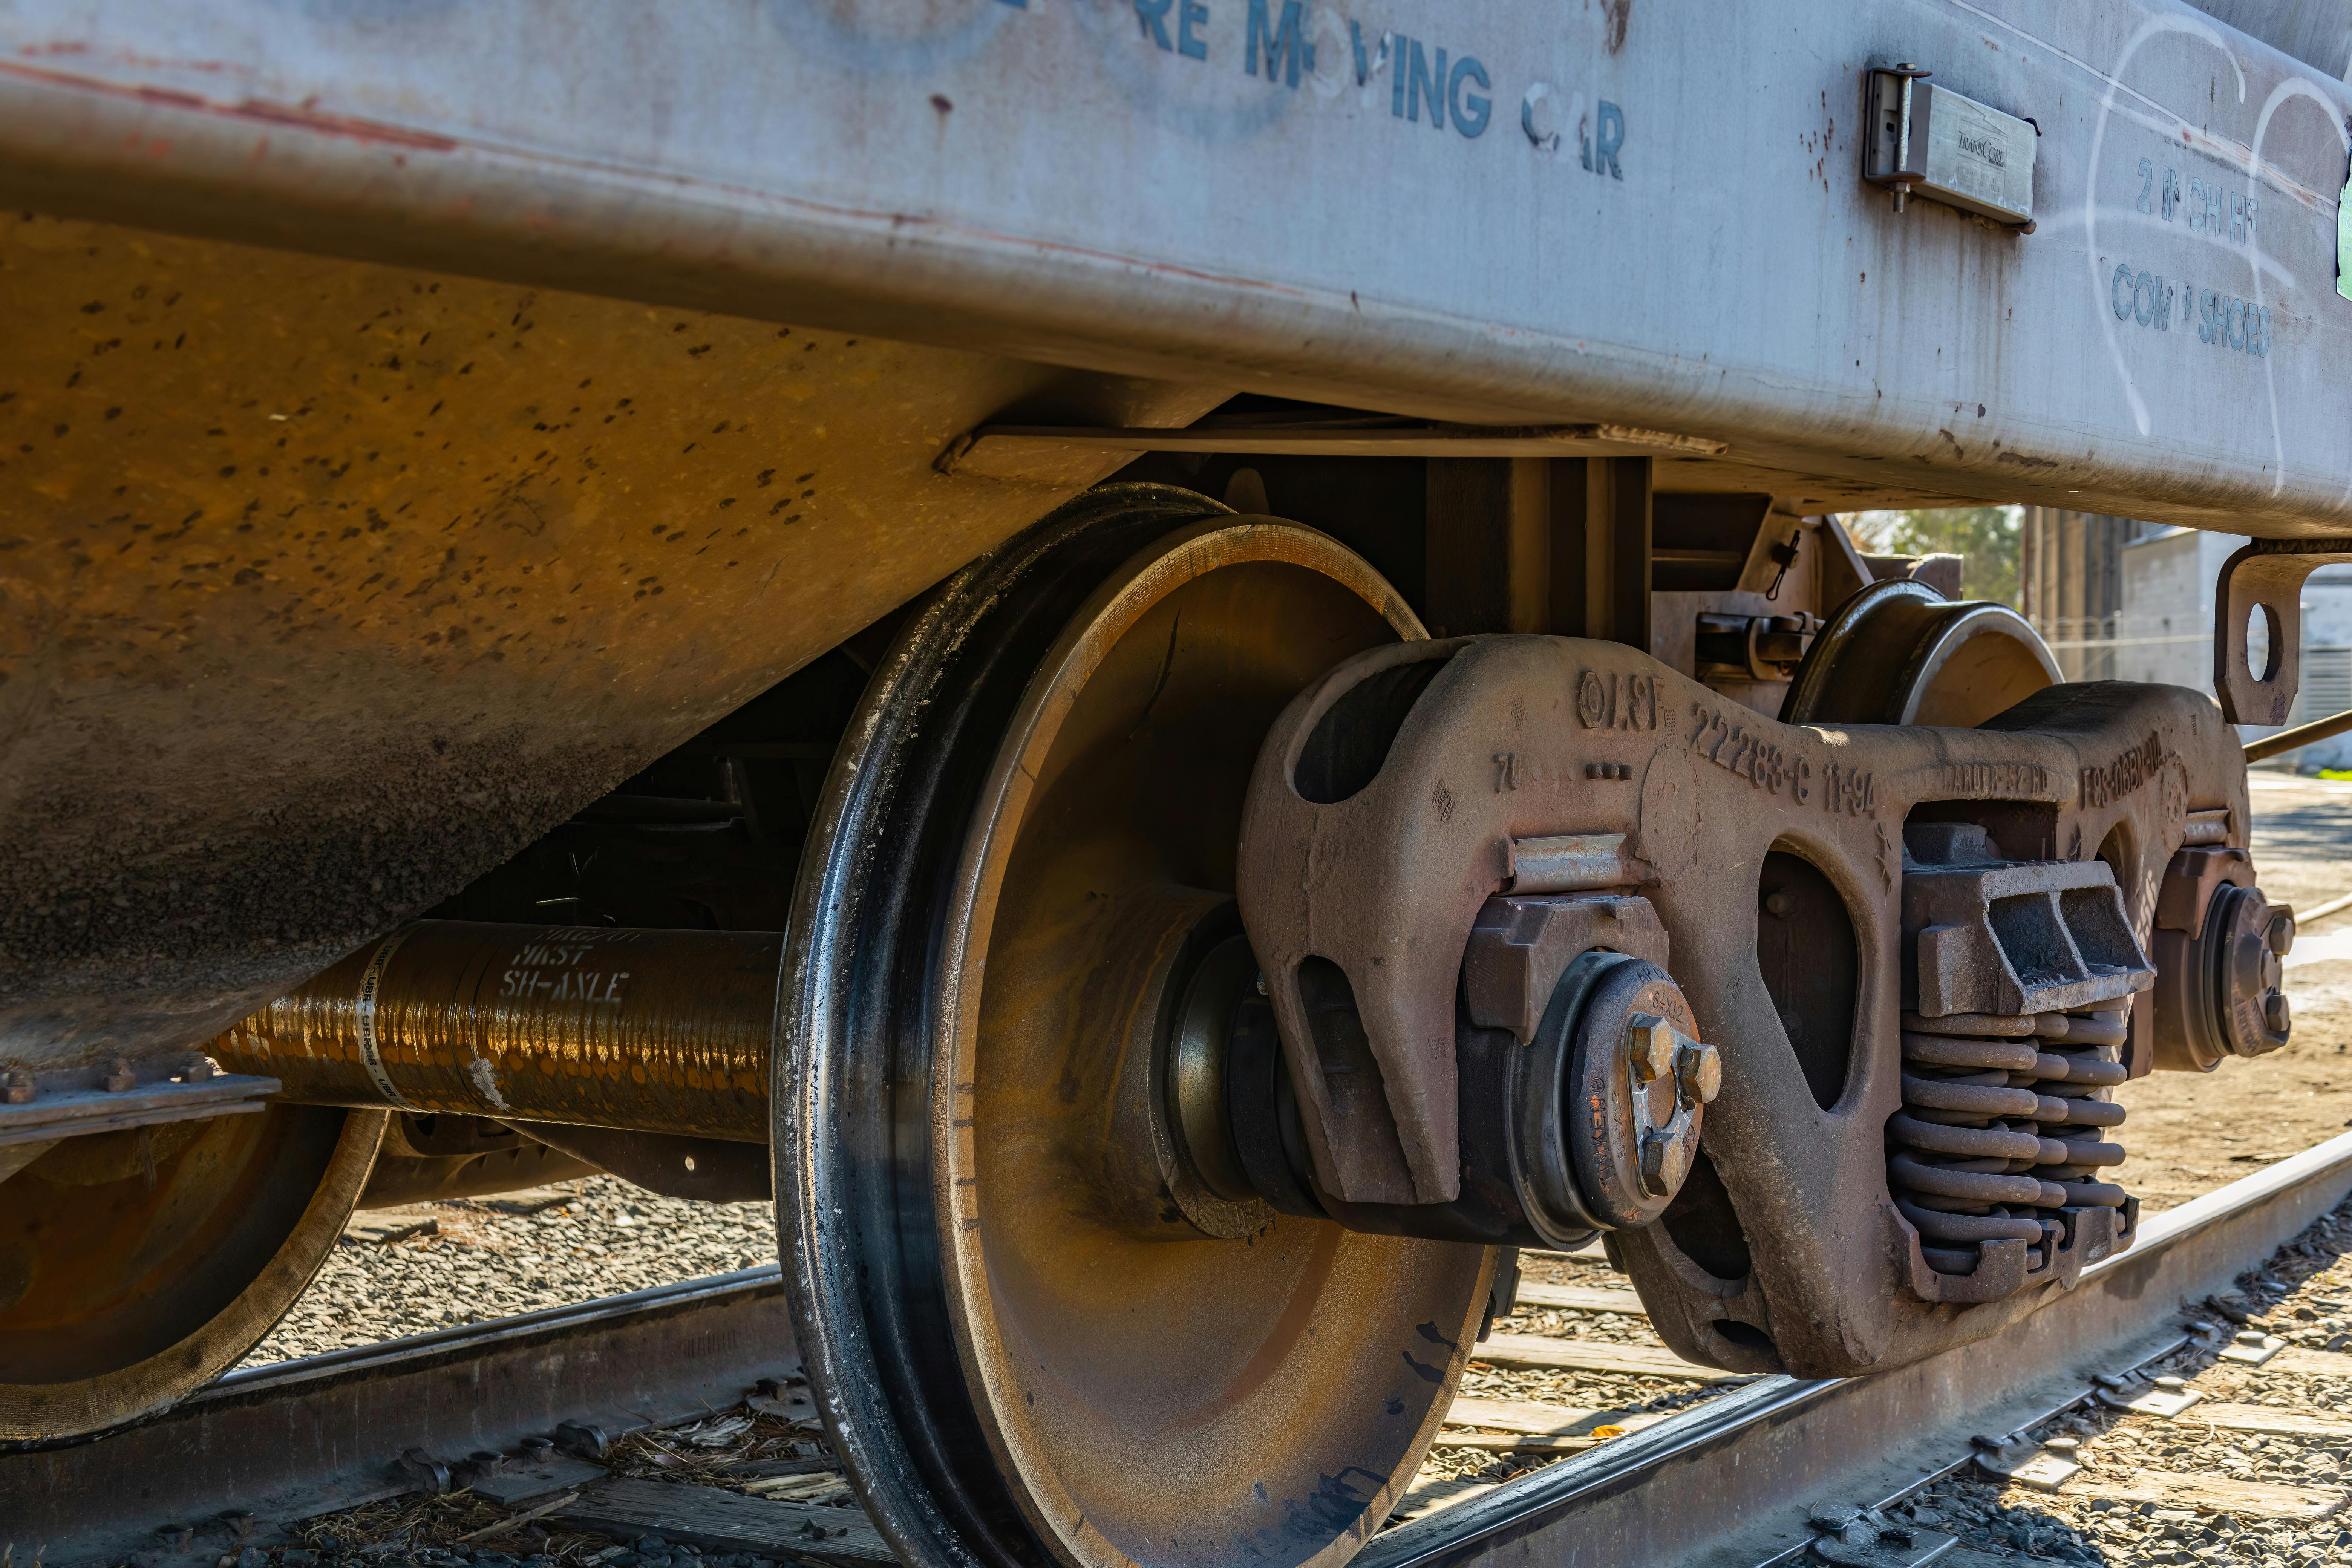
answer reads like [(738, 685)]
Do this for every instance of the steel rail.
[(1730, 1480), (298, 1439), (1735, 1480)]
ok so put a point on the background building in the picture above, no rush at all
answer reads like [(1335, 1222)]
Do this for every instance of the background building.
[(2124, 600)]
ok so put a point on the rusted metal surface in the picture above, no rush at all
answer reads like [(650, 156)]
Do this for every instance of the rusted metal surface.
[(298, 1439), (1054, 182), (326, 586), (61, 1105), (650, 1031), (1381, 868)]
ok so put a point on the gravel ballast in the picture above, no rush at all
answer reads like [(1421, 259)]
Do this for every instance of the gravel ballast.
[(498, 1258)]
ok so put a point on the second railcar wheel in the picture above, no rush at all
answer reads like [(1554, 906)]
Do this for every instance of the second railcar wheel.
[(1041, 1328), (136, 1265)]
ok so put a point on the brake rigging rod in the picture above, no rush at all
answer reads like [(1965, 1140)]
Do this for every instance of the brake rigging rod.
[(2301, 735)]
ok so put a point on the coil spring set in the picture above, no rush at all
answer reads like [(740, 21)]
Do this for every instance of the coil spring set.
[(1999, 1137)]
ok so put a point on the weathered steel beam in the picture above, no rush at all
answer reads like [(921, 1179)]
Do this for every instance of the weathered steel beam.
[(1548, 235)]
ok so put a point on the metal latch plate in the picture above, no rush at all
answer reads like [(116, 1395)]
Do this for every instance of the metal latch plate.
[(1932, 141)]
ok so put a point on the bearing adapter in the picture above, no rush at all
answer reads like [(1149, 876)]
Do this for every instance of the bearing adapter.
[(2218, 944), (1610, 1096)]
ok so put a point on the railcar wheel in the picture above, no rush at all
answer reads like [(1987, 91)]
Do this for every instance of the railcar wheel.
[(1037, 1332), (1900, 653), (137, 1266)]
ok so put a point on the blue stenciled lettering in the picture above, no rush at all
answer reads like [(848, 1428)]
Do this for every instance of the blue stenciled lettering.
[(1279, 41), (2141, 297), (1423, 83), (1608, 136), (1188, 13), (1470, 113), (2229, 322), (1151, 18)]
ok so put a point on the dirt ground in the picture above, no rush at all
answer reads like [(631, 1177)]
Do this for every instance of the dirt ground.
[(2190, 1134)]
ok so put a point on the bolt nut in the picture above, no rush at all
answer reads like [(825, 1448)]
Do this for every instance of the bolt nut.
[(119, 1078), (199, 1070), (2279, 935), (2276, 1017), (1698, 1068), (1666, 1161), (17, 1087), (1651, 1042)]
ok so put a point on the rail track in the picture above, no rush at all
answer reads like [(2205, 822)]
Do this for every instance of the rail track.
[(1743, 1479)]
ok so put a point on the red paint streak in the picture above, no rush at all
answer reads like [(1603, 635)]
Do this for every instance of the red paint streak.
[(306, 119), (258, 110), (379, 134)]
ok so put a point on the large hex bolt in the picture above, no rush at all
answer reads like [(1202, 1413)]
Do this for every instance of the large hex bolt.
[(1656, 1050), (1698, 1068), (1666, 1161), (1651, 1044)]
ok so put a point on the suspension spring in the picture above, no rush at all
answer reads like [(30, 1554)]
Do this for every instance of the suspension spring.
[(1999, 1137)]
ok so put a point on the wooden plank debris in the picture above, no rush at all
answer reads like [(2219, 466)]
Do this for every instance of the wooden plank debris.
[(1506, 1443), (1541, 1351), (2263, 1419), (715, 1520), (2214, 1494), (1518, 1416), (1597, 1433), (818, 1489), (1581, 1299), (2305, 1363), (384, 1228), (1591, 1252)]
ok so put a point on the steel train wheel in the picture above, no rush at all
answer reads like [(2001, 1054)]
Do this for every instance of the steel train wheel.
[(1026, 1348), (1900, 653), (137, 1266)]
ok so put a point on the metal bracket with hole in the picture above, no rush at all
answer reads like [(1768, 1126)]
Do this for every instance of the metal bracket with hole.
[(2265, 577)]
